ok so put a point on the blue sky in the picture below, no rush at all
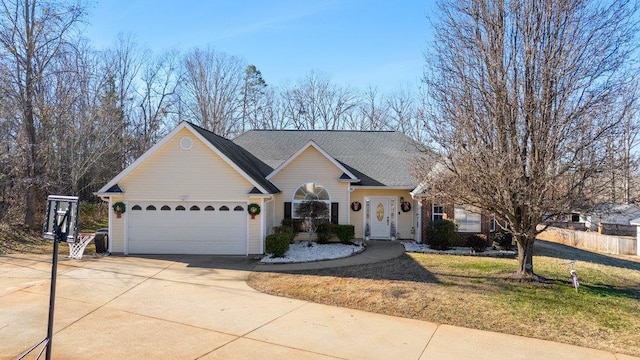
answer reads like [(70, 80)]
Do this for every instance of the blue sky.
[(356, 42)]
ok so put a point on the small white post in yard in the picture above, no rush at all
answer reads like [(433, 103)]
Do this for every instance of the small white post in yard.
[(636, 222)]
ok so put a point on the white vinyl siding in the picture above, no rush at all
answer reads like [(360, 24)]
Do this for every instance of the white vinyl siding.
[(311, 167), (175, 176), (172, 173)]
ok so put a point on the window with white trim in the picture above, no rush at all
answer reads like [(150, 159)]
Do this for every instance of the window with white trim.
[(437, 212), (468, 219), (309, 192)]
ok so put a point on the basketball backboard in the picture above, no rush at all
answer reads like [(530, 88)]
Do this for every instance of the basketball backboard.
[(61, 221)]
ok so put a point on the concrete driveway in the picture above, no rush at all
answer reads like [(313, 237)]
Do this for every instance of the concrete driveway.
[(200, 307)]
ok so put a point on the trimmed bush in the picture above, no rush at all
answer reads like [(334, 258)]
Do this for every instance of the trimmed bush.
[(345, 233), (324, 231), (277, 244), (503, 241), (295, 224), (476, 242), (441, 234), (287, 230)]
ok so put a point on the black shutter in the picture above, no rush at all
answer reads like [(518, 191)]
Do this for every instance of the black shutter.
[(287, 210), (334, 213)]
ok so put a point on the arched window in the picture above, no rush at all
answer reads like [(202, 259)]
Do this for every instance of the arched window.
[(151, 208), (224, 208), (238, 208), (209, 208), (165, 208), (180, 208), (194, 208), (309, 192), (136, 207)]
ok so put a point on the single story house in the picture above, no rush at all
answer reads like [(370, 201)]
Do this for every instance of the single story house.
[(195, 192)]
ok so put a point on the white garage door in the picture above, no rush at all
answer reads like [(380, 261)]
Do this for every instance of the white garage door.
[(187, 228)]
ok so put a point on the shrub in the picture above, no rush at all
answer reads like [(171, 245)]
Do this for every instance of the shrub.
[(295, 224), (503, 241), (345, 233), (476, 242), (324, 231), (287, 230), (441, 234), (277, 244)]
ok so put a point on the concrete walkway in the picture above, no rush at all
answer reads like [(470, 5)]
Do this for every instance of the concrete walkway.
[(376, 251), (199, 307)]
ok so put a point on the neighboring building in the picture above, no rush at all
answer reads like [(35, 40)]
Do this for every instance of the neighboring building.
[(612, 219), (191, 192)]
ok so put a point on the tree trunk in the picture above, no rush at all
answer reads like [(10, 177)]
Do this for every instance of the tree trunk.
[(525, 257)]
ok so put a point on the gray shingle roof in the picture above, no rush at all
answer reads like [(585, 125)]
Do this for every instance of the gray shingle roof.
[(378, 158), (246, 161)]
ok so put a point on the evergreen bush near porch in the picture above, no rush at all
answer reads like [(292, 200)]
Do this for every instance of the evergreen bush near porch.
[(345, 233), (441, 234), (277, 244)]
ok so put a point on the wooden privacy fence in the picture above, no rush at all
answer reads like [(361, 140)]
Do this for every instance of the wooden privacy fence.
[(611, 244)]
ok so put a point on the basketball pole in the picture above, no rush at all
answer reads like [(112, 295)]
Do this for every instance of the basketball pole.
[(59, 235), (52, 294)]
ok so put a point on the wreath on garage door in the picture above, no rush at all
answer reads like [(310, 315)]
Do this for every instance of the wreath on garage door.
[(253, 210)]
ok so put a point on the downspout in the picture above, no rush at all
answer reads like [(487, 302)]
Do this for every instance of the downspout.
[(126, 232), (263, 223)]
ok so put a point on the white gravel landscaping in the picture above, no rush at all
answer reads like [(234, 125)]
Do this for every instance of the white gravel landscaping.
[(412, 246), (302, 252)]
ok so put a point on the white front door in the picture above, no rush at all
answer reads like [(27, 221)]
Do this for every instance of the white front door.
[(380, 217)]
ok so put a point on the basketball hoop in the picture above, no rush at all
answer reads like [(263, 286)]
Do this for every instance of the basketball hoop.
[(76, 249)]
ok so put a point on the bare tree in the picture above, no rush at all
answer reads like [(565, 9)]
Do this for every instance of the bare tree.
[(157, 101), (123, 63), (374, 111), (212, 90), (32, 33), (523, 96), (403, 113), (316, 103)]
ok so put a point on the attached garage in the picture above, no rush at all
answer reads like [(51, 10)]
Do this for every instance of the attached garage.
[(187, 228)]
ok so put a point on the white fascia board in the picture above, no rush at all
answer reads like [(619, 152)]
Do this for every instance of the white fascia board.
[(313, 144), (356, 187)]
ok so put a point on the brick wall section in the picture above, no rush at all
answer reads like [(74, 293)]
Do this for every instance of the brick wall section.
[(427, 208)]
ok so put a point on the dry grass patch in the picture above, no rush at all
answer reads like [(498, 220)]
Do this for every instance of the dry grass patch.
[(18, 239), (479, 293)]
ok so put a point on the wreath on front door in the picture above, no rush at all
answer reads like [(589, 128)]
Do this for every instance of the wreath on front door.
[(405, 206), (356, 206)]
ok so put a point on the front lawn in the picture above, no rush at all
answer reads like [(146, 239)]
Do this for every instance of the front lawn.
[(479, 293)]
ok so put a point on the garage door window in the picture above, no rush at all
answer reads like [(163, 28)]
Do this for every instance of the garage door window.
[(151, 208), (194, 208), (136, 207), (209, 208), (165, 208), (224, 208), (238, 208), (180, 208)]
